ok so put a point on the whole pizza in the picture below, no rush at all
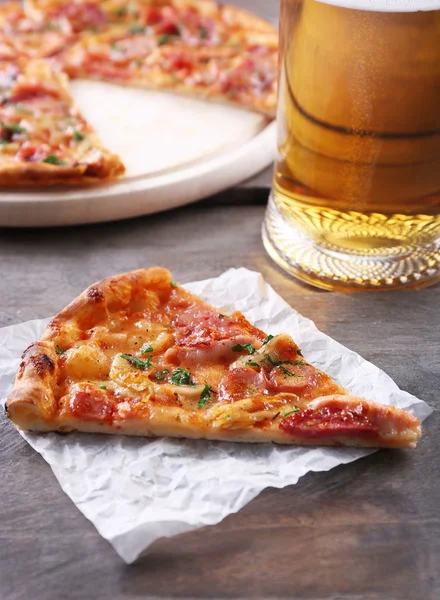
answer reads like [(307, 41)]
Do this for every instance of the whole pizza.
[(194, 47)]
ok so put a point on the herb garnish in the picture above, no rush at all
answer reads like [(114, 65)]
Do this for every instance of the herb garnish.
[(4, 142), (285, 371), (181, 377), (221, 315), (203, 33), (54, 160), (275, 416), (135, 29), (137, 362), (239, 347), (294, 410), (253, 364), (102, 387), (205, 396), (146, 348), (173, 284), (298, 351), (121, 12), (163, 39), (267, 339), (12, 128), (115, 46), (59, 350), (277, 363), (78, 136), (160, 375)]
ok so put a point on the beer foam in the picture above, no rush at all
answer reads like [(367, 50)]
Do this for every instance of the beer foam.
[(386, 5)]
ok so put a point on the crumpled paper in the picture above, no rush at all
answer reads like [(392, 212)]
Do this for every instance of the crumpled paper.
[(136, 490)]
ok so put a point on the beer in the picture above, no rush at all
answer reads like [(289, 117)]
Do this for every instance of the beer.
[(355, 202)]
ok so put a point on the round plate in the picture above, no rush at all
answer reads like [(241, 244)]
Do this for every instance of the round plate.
[(177, 150)]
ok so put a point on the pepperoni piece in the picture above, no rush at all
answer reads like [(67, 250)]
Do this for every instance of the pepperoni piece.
[(31, 92), (92, 405), (241, 383), (328, 421), (152, 15), (168, 27), (291, 378), (32, 152), (84, 15)]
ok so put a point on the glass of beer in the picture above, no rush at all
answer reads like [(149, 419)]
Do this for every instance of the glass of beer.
[(355, 201)]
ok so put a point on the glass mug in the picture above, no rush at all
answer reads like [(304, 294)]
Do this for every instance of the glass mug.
[(355, 201)]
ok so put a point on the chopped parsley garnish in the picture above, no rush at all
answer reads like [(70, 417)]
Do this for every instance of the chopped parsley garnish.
[(294, 410), (205, 396), (173, 284), (253, 364), (277, 363), (285, 371), (160, 375), (54, 160), (163, 39), (181, 377), (137, 362), (298, 350), (4, 142), (12, 128), (267, 339), (146, 348), (121, 12), (203, 33), (102, 387), (59, 350), (136, 29), (221, 315), (239, 347), (78, 136), (115, 46)]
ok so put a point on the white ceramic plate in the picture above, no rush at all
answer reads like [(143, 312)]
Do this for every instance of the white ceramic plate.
[(177, 150)]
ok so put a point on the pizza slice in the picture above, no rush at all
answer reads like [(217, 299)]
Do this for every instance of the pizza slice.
[(28, 38), (193, 20), (246, 77), (43, 137), (196, 48), (137, 354)]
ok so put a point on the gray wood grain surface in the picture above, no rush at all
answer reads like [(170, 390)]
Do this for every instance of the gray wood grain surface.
[(365, 531), (369, 530)]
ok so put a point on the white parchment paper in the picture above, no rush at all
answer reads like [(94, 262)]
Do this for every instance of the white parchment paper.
[(137, 490)]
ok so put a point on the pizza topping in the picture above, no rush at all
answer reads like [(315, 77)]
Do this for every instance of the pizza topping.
[(137, 362), (267, 339), (146, 348), (241, 383), (81, 16), (161, 375), (32, 152), (329, 421), (205, 396), (59, 350), (91, 404), (240, 347), (52, 159), (181, 377)]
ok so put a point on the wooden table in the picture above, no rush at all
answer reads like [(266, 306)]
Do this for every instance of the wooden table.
[(368, 530)]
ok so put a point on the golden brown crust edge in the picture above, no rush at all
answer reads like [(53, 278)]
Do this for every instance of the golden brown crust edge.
[(32, 404), (20, 175)]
